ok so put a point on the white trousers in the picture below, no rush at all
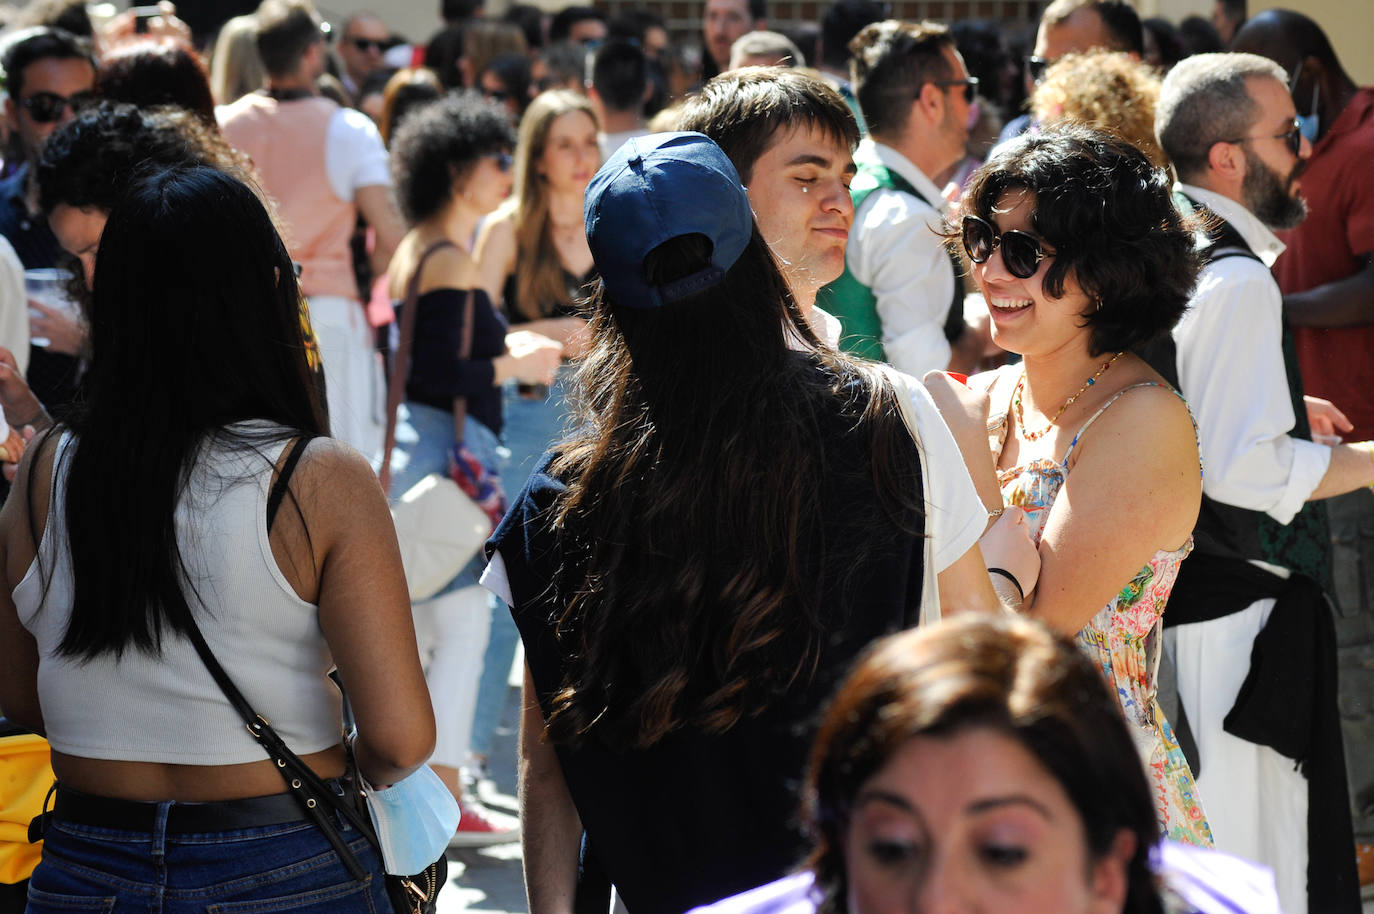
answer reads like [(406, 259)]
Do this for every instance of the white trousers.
[(352, 372), (452, 632), (1255, 799)]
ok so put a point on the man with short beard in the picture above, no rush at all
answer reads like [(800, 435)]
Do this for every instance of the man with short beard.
[(1260, 571)]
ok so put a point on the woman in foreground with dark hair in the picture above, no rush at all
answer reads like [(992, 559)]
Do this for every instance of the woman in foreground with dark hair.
[(147, 515), (980, 765), (1077, 247), (738, 513)]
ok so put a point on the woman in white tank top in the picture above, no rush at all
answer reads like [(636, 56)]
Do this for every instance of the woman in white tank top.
[(146, 509)]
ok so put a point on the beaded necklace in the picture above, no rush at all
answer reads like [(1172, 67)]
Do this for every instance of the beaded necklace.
[(1029, 435)]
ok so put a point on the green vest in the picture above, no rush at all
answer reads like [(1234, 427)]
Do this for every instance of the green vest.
[(851, 302)]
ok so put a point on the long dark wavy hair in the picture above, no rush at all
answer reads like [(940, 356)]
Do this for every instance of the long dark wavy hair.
[(692, 535), (1010, 675), (194, 325)]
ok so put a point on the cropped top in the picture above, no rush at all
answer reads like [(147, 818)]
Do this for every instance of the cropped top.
[(437, 375), (150, 708)]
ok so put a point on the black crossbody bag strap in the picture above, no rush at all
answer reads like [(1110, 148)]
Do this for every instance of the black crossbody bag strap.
[(316, 797)]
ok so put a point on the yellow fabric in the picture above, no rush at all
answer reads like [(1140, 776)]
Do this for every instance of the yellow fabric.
[(25, 778)]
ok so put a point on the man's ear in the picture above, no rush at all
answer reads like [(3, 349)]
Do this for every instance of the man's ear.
[(1226, 161), (930, 104), (11, 114)]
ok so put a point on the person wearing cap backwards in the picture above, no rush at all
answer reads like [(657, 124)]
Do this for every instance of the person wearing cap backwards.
[(693, 569)]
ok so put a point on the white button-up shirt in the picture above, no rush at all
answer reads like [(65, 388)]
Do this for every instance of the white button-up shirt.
[(1231, 369)]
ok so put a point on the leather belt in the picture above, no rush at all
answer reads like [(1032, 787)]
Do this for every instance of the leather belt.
[(182, 818)]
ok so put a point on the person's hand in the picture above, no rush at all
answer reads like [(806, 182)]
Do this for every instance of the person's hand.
[(16, 399), (1008, 545), (124, 26), (9, 468), (1325, 419), (536, 358), (65, 334)]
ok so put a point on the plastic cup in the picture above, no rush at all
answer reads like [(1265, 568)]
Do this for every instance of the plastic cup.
[(47, 286)]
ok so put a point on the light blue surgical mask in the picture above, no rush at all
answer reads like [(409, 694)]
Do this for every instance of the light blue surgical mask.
[(1310, 124), (414, 819)]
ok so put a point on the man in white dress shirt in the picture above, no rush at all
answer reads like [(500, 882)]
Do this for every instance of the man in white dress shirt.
[(1256, 579), (900, 297)]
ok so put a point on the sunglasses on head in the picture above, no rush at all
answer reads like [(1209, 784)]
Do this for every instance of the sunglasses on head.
[(1021, 251), (970, 85), (368, 44), (46, 107)]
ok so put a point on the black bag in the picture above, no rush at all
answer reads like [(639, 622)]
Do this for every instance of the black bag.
[(415, 894)]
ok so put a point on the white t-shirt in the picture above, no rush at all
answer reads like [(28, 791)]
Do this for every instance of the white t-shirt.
[(957, 516), (354, 154)]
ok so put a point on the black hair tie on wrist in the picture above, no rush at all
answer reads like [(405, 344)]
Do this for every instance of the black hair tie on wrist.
[(1010, 577)]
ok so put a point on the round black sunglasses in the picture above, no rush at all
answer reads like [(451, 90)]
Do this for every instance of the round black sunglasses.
[(1021, 251)]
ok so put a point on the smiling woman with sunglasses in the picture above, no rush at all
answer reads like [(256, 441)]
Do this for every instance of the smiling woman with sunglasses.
[(1077, 247)]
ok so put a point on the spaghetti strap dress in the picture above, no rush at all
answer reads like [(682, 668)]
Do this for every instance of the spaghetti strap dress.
[(1125, 637)]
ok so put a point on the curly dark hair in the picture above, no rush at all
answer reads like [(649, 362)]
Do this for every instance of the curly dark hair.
[(440, 143), (1110, 216), (1010, 675), (158, 71)]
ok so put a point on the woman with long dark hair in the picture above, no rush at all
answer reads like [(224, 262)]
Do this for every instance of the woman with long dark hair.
[(147, 515), (737, 512)]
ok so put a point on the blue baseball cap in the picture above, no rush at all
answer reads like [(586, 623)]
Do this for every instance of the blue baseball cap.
[(656, 188)]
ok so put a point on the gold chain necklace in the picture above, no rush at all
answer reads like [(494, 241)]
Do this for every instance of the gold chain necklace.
[(1020, 413)]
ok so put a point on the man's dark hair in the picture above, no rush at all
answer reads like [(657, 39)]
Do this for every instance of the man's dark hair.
[(1131, 252), (41, 44), (634, 23), (746, 111), (452, 11), (560, 27), (758, 9), (890, 62), (530, 19), (1119, 20), (620, 74), (1199, 36), (842, 21), (68, 15), (1235, 10), (286, 30)]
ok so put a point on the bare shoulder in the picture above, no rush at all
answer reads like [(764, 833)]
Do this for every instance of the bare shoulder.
[(335, 484), (1149, 423), (449, 267)]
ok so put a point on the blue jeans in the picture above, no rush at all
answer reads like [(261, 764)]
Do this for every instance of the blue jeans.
[(287, 867), (424, 436), (531, 426)]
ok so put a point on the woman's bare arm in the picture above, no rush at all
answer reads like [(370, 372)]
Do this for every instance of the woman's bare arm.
[(549, 822)]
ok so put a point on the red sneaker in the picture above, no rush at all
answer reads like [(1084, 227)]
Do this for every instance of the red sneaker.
[(480, 827)]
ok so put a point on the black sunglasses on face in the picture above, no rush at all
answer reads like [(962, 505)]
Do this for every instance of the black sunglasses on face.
[(970, 86), (1292, 138), (46, 107), (1021, 251), (369, 44), (1035, 67)]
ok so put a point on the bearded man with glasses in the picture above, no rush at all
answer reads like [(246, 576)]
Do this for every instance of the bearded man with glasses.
[(50, 73), (1260, 574), (900, 299)]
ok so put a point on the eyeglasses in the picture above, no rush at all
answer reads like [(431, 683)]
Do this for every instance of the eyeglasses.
[(46, 107), (1035, 67), (1021, 251), (368, 44), (970, 85), (503, 160), (1292, 137)]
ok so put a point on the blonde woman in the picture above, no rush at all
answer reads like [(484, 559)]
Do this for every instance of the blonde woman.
[(1105, 90), (534, 259)]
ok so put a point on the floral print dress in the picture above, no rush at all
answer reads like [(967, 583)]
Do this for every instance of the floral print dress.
[(1124, 638)]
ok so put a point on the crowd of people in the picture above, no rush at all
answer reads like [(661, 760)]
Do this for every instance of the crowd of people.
[(755, 350)]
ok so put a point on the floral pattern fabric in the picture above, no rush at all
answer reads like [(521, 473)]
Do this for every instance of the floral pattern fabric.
[(1124, 638)]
